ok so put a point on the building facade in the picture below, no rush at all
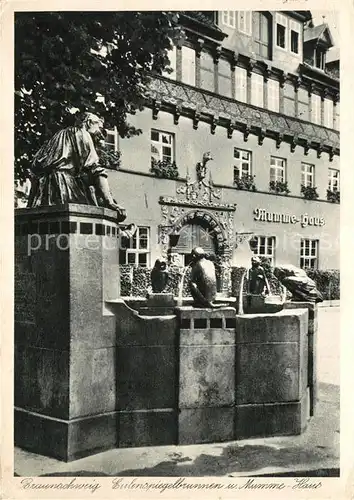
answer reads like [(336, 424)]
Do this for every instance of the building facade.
[(240, 139)]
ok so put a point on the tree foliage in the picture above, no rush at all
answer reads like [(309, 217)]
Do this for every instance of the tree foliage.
[(66, 60)]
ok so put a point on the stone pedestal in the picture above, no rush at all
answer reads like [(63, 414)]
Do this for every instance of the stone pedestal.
[(206, 375), (158, 304), (312, 347), (66, 266), (271, 374)]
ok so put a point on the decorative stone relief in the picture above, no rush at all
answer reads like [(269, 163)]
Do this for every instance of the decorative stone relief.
[(199, 201)]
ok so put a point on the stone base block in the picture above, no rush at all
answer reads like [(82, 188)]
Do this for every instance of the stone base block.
[(160, 300), (147, 428), (156, 311), (205, 425), (65, 439), (271, 419)]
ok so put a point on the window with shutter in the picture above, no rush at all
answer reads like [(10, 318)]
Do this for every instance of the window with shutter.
[(262, 34)]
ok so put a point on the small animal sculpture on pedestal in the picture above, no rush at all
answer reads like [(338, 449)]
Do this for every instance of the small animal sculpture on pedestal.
[(298, 283), (257, 281), (159, 276), (202, 283)]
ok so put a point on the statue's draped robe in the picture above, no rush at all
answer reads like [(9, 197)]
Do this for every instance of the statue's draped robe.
[(64, 168)]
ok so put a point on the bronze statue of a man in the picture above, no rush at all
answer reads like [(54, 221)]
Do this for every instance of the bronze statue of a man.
[(66, 169)]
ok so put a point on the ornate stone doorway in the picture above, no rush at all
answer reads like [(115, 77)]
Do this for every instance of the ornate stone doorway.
[(194, 235), (199, 217)]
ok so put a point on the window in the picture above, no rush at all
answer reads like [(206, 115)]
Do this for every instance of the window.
[(294, 42), (337, 117), (111, 141), (281, 36), (245, 21), (333, 179), (172, 55), (303, 104), (241, 84), (289, 99), (162, 146), (262, 25), (257, 90), (307, 175), (137, 249), (277, 169), (328, 113), (295, 30), (288, 34), (309, 254), (224, 78), (273, 95), (320, 58), (242, 163), (264, 246), (229, 18), (281, 30), (188, 65), (207, 68), (316, 108)]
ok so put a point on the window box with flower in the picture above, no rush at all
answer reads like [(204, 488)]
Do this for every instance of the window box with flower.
[(279, 187), (164, 169), (245, 182), (309, 192), (333, 196)]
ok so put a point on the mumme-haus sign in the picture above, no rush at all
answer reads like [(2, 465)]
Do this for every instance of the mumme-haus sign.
[(262, 215)]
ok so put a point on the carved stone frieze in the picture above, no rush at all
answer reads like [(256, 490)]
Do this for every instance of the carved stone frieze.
[(199, 201), (249, 120)]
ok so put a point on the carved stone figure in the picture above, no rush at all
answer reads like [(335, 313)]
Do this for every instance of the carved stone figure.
[(202, 283), (201, 166), (66, 169), (257, 281), (159, 276), (298, 283)]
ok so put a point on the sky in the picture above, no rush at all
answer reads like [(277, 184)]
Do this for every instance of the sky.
[(331, 18)]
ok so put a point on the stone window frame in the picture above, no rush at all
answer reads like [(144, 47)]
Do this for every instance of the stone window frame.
[(277, 167), (332, 180), (244, 23), (159, 144), (309, 253), (193, 62), (316, 111), (132, 248), (270, 83), (241, 81), (269, 244), (257, 83), (305, 174), (328, 113), (281, 20), (240, 162)]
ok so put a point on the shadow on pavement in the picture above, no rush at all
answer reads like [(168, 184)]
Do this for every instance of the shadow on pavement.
[(233, 459)]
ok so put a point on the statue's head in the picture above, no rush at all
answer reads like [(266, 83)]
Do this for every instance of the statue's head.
[(160, 265), (198, 253), (207, 156), (255, 261), (91, 122)]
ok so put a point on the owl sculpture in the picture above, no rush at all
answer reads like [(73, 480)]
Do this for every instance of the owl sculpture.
[(159, 276)]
